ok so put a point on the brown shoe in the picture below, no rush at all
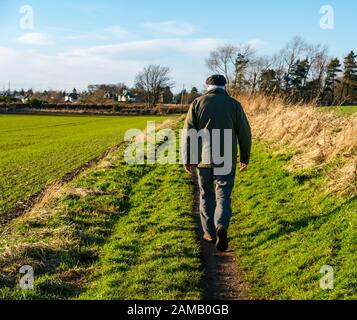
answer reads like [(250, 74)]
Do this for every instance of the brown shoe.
[(222, 239), (209, 239)]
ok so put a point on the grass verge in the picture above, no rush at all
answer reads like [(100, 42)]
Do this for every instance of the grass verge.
[(285, 229)]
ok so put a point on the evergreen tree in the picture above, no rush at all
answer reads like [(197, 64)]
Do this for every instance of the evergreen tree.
[(350, 63), (194, 90), (298, 76), (268, 81), (333, 68), (241, 65), (349, 76)]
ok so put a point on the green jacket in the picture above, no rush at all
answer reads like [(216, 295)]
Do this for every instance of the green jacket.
[(217, 110)]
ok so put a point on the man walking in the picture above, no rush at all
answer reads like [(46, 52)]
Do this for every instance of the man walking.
[(216, 112)]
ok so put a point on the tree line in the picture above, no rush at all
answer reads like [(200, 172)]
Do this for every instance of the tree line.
[(300, 72)]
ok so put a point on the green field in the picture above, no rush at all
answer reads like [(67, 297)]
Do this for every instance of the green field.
[(127, 232), (286, 227), (122, 232), (36, 150), (340, 110)]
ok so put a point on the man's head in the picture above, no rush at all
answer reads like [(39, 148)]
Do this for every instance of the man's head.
[(216, 81)]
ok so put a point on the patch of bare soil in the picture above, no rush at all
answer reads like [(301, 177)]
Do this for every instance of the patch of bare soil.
[(222, 280)]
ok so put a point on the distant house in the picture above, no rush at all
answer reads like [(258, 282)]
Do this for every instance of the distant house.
[(127, 97), (11, 96), (19, 97), (139, 97), (72, 97), (26, 99), (6, 93), (166, 96)]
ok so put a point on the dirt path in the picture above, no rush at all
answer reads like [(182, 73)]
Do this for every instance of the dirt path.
[(221, 277)]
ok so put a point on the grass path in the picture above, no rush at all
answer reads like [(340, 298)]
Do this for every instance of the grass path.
[(152, 253), (222, 280)]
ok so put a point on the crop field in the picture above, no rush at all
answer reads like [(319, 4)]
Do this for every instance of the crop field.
[(116, 232), (36, 150)]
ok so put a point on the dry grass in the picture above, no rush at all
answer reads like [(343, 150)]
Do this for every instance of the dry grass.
[(318, 139)]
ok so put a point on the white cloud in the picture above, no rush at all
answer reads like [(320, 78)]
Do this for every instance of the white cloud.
[(177, 28), (104, 34), (117, 30), (149, 49), (31, 69), (112, 63), (257, 44), (34, 38), (104, 64)]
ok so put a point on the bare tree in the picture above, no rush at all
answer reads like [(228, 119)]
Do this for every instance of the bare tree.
[(244, 62), (152, 80), (256, 67), (299, 72), (228, 60), (222, 60), (318, 56), (289, 55)]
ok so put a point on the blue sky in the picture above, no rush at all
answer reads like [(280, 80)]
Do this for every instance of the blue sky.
[(76, 43)]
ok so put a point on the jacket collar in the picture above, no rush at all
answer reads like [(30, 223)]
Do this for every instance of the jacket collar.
[(217, 91)]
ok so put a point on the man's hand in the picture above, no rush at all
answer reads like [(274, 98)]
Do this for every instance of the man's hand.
[(243, 166), (189, 168)]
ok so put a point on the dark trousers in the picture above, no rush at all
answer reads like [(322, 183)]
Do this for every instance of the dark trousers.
[(215, 199)]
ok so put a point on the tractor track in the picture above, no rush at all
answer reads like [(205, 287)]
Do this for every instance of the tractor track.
[(24, 206)]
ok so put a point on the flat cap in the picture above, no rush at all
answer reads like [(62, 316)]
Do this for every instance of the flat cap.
[(216, 80)]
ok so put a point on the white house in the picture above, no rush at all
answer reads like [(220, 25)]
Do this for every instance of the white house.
[(127, 97), (72, 97), (25, 99)]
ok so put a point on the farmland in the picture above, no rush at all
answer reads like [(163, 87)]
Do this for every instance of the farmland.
[(120, 231), (126, 232), (37, 150)]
